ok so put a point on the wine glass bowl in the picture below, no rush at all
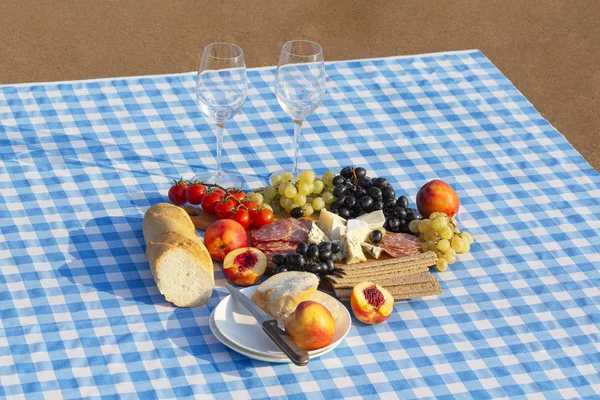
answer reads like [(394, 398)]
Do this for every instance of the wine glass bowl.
[(300, 85), (221, 89)]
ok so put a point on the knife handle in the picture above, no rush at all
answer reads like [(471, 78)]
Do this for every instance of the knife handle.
[(285, 343)]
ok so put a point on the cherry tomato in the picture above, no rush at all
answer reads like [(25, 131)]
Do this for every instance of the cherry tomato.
[(177, 193), (250, 204), (243, 217), (238, 194), (195, 193), (210, 201), (220, 192), (225, 209), (264, 217)]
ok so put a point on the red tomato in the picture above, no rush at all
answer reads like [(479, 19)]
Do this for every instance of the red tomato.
[(220, 192), (238, 194), (243, 217), (177, 193), (250, 204), (225, 209), (195, 193), (263, 217), (210, 201)]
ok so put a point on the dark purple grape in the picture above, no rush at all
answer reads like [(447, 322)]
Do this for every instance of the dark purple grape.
[(375, 193), (324, 255), (340, 200), (324, 246), (279, 259), (399, 212), (389, 192), (350, 201), (360, 172), (330, 266), (366, 202), (375, 236), (335, 248), (297, 212), (380, 183), (393, 224), (314, 267), (294, 259), (339, 190), (312, 252), (301, 248), (359, 192), (281, 268), (389, 202), (365, 182), (338, 180), (346, 172), (344, 212), (377, 205), (403, 201)]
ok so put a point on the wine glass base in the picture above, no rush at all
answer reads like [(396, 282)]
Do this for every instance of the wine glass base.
[(225, 179)]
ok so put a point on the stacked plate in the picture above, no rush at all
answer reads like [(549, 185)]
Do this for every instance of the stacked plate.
[(237, 329)]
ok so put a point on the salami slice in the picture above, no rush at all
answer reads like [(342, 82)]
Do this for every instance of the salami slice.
[(400, 244), (275, 231)]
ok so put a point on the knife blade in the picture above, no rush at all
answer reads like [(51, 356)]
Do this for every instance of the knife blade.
[(270, 326)]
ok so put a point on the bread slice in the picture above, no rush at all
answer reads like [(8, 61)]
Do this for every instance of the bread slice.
[(164, 217), (279, 295), (180, 267)]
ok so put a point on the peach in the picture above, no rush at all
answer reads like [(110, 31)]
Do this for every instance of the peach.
[(437, 196), (223, 236), (245, 266), (311, 325), (371, 303)]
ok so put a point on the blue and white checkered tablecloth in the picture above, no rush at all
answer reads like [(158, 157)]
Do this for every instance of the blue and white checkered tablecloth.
[(80, 315)]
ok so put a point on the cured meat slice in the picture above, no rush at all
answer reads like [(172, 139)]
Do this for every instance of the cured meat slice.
[(286, 229), (400, 244), (275, 246)]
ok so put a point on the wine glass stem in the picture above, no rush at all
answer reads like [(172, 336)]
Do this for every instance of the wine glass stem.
[(219, 132), (297, 134)]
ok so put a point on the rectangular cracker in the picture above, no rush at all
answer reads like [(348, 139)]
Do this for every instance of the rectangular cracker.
[(399, 292), (387, 280)]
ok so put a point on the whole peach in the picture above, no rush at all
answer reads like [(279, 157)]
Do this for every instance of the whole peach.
[(223, 236), (437, 196), (311, 325)]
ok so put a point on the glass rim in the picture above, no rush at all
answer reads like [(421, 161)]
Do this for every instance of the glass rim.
[(205, 52), (302, 41)]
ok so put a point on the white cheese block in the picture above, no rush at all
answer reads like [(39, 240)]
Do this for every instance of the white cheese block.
[(332, 225), (316, 235), (355, 224), (371, 250), (361, 234), (352, 250), (374, 219)]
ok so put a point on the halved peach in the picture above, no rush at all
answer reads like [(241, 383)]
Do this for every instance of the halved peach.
[(311, 325), (245, 266), (371, 303)]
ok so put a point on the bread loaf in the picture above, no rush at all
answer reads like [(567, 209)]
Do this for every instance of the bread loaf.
[(181, 265)]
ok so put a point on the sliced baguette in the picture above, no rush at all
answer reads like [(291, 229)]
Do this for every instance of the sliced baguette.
[(180, 264)]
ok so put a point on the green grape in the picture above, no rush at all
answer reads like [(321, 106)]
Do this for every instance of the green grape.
[(428, 246), (424, 225), (300, 199), (430, 235), (457, 244), (328, 177), (270, 192), (468, 236), (449, 256), (282, 187), (275, 179), (443, 245), (467, 247), (433, 215), (438, 224), (285, 202), (318, 187), (276, 207), (305, 188), (290, 191), (309, 199), (307, 176), (257, 197), (441, 265), (446, 233), (413, 226), (287, 177), (328, 197), (308, 210), (268, 207), (318, 204), (290, 208)]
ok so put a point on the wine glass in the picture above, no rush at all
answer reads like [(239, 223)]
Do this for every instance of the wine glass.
[(299, 85), (221, 89)]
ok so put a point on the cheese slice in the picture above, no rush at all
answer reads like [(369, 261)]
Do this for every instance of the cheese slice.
[(332, 225), (316, 235), (355, 224), (352, 250), (371, 250), (374, 219)]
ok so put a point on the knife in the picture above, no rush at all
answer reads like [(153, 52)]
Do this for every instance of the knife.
[(270, 326)]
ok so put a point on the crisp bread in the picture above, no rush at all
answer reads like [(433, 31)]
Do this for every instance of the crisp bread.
[(387, 280), (378, 273), (399, 292)]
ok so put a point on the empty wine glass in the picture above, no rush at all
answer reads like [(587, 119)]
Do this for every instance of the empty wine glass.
[(221, 89), (299, 85)]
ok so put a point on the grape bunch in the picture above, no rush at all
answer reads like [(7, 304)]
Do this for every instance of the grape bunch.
[(301, 198), (314, 258), (440, 235), (357, 194)]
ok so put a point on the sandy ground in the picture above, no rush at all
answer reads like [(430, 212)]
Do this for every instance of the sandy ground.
[(549, 49)]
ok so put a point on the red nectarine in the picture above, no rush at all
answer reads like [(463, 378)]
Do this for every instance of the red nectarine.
[(223, 236)]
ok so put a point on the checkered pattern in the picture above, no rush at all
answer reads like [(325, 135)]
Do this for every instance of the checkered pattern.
[(80, 315)]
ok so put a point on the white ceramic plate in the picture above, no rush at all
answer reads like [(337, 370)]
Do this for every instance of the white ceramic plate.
[(235, 324)]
